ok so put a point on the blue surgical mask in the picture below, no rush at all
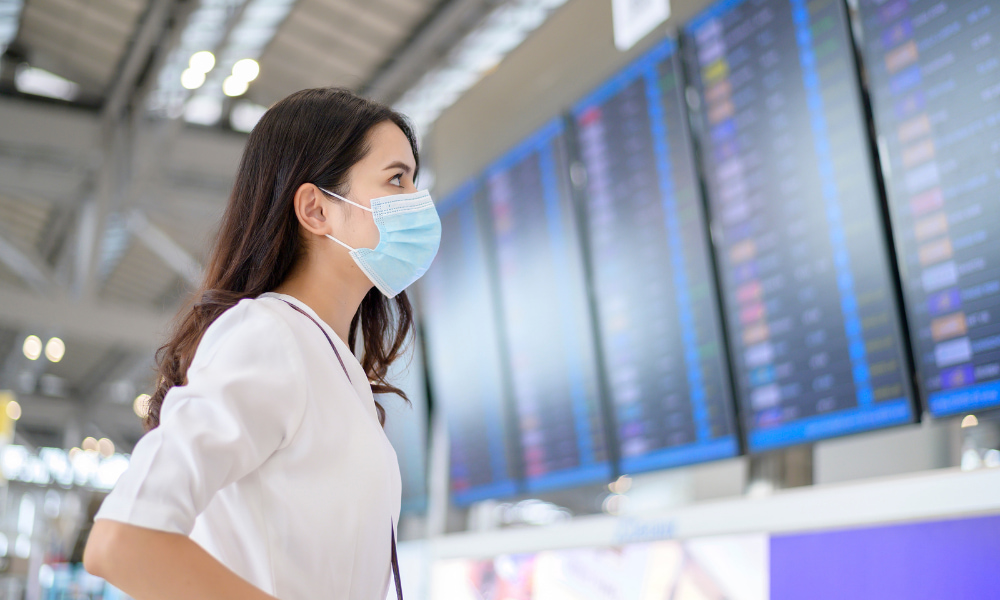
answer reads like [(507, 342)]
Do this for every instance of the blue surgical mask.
[(409, 230)]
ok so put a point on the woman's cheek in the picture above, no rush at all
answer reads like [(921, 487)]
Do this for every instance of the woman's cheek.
[(371, 234)]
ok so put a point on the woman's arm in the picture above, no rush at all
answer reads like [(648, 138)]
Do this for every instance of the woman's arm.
[(155, 565)]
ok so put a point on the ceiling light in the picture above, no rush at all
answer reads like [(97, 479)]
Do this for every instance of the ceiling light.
[(106, 447), (89, 443), (13, 410), (211, 25), (55, 349), (202, 62), (38, 82), (233, 86), (141, 405), (246, 69), (970, 421), (192, 79), (32, 347)]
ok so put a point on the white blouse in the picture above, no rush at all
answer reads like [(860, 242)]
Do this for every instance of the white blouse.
[(271, 460)]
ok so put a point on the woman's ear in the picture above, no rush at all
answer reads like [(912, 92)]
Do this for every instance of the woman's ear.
[(312, 209)]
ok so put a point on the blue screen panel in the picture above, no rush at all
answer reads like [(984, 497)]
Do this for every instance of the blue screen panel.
[(406, 425), (459, 319), (916, 561), (657, 303), (808, 286), (547, 324), (934, 78)]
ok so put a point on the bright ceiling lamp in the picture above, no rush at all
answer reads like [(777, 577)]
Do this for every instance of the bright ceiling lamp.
[(55, 349), (477, 53), (233, 86), (202, 61), (199, 65), (32, 347), (105, 447), (205, 28), (246, 69), (210, 26), (140, 406), (191, 79)]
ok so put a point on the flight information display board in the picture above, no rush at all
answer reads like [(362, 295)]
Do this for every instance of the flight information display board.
[(934, 74), (547, 324), (657, 305), (808, 289), (463, 351)]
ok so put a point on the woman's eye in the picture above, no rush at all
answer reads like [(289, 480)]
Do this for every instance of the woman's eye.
[(397, 180)]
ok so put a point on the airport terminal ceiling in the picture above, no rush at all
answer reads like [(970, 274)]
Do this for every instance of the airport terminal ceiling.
[(108, 201)]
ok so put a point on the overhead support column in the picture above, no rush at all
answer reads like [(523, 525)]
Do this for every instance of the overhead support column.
[(107, 181)]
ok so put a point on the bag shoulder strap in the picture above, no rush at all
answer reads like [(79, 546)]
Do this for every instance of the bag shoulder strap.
[(325, 334), (394, 562), (395, 565)]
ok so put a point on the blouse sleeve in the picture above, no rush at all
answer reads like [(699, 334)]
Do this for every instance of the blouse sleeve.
[(245, 399)]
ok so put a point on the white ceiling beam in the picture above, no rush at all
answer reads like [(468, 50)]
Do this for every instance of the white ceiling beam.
[(53, 138), (44, 129), (29, 268), (129, 326), (161, 244), (25, 180)]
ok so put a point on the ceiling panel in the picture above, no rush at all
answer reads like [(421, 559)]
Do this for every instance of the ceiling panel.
[(335, 42), (193, 235), (81, 40), (9, 279), (22, 222), (141, 277)]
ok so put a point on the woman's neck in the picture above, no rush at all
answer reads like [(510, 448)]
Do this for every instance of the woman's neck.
[(333, 293)]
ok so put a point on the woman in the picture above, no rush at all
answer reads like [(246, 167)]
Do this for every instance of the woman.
[(266, 473)]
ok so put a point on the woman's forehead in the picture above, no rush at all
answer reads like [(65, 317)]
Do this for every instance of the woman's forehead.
[(389, 144)]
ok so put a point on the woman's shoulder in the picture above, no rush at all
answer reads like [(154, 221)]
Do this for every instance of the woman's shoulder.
[(253, 326)]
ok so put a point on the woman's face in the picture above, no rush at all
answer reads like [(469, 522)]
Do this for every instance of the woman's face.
[(386, 170)]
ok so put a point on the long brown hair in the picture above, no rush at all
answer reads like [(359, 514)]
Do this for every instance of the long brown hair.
[(312, 136)]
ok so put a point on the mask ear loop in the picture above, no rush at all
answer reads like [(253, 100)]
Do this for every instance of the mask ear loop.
[(339, 242), (328, 192)]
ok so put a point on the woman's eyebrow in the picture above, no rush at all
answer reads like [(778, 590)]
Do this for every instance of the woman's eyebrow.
[(399, 165)]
